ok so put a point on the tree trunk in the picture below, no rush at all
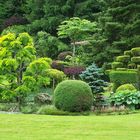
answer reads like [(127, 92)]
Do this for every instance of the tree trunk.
[(20, 74)]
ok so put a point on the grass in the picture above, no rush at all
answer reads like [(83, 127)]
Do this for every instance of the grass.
[(41, 127)]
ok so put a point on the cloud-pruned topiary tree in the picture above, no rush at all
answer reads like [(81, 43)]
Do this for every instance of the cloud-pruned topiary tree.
[(125, 69)]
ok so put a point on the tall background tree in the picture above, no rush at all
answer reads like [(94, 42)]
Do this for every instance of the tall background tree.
[(119, 24)]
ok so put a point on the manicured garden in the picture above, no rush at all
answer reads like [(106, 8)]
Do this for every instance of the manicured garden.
[(36, 127), (70, 69)]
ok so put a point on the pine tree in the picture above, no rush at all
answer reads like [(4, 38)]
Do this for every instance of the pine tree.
[(93, 76), (119, 25)]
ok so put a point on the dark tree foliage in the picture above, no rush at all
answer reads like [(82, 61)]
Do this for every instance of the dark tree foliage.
[(14, 20), (119, 25), (118, 22), (46, 15), (10, 8)]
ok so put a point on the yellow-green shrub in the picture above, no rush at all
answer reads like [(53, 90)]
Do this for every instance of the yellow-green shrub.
[(136, 59), (117, 65), (129, 87), (123, 58), (135, 51)]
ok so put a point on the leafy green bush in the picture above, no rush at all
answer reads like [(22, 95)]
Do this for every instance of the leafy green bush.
[(129, 87), (123, 58), (127, 98), (29, 108), (73, 96)]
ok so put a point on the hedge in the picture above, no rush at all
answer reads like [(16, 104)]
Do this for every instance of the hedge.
[(117, 65), (123, 58), (123, 77), (136, 59), (135, 51), (127, 53)]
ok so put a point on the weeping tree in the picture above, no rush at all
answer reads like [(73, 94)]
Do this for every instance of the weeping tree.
[(20, 71)]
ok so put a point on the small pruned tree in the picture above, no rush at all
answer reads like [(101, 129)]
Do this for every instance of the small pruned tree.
[(76, 29)]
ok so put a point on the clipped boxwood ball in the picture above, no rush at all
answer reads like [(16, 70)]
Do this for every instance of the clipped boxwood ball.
[(73, 96), (129, 87)]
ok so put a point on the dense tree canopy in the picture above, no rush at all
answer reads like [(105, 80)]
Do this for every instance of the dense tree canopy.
[(117, 22), (119, 29)]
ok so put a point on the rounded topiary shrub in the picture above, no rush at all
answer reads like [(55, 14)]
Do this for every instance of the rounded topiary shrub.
[(136, 59), (124, 58), (117, 65), (129, 87), (73, 96), (135, 51)]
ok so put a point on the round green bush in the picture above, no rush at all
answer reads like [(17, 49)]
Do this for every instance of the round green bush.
[(129, 87), (73, 96)]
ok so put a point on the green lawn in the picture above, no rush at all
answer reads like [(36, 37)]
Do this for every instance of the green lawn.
[(41, 127)]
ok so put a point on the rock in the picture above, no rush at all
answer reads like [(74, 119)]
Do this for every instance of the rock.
[(43, 98)]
